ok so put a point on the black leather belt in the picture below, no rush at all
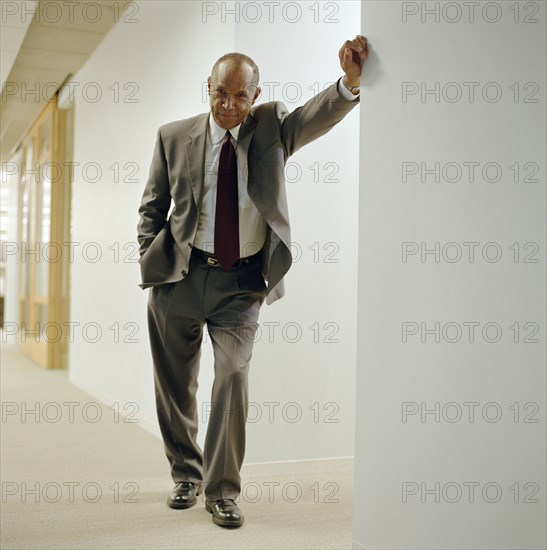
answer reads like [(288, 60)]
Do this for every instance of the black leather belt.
[(211, 261)]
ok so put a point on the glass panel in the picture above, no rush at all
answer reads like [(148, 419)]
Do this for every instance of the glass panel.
[(4, 223), (43, 221), (67, 185), (26, 186)]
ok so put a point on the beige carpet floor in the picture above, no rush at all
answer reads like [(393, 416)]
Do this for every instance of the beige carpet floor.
[(72, 483)]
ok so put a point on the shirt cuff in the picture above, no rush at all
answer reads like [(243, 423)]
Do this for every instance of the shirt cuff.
[(345, 93)]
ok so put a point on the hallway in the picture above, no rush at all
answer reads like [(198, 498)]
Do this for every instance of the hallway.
[(75, 475)]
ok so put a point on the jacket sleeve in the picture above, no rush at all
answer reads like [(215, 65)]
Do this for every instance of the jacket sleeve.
[(313, 119), (156, 199)]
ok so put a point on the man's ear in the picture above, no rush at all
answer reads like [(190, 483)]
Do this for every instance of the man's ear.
[(257, 93), (209, 84)]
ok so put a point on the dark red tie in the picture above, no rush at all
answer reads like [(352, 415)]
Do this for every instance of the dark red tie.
[(227, 207)]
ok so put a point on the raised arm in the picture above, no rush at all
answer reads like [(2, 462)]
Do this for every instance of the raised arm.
[(317, 116)]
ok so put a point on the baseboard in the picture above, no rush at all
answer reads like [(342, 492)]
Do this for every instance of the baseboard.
[(107, 400), (296, 467), (249, 470)]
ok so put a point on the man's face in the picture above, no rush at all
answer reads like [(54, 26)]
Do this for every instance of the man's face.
[(232, 93)]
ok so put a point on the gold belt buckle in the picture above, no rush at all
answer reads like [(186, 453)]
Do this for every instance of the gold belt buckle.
[(212, 261)]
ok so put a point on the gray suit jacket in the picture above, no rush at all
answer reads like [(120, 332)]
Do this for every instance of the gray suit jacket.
[(267, 137)]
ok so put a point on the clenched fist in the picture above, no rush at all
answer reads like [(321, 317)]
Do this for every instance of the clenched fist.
[(352, 55)]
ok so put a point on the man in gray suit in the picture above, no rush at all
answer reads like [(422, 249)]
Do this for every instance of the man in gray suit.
[(223, 250)]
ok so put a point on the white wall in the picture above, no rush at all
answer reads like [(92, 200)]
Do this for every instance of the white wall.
[(317, 371), (169, 53), (159, 54), (453, 453)]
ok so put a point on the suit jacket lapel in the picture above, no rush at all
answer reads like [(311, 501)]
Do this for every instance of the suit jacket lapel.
[(195, 156), (245, 135), (243, 141)]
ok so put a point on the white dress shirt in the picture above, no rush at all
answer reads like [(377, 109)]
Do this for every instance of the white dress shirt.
[(252, 227)]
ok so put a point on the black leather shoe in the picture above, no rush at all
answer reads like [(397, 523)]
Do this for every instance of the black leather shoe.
[(184, 494), (225, 512)]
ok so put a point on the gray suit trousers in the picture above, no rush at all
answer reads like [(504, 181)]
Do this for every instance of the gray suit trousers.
[(229, 302)]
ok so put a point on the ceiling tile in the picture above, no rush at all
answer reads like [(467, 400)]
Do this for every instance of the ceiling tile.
[(41, 37), (76, 41)]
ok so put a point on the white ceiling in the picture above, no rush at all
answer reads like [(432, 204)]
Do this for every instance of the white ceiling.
[(40, 47), (13, 32)]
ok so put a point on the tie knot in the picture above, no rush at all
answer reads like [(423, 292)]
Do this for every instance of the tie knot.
[(227, 136)]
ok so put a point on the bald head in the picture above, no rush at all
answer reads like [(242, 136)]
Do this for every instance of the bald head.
[(235, 59)]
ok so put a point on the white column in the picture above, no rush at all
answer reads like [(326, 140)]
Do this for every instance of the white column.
[(450, 435)]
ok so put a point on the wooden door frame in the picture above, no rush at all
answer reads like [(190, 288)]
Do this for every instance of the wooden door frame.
[(48, 348)]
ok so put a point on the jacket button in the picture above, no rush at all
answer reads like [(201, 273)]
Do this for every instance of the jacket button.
[(184, 274)]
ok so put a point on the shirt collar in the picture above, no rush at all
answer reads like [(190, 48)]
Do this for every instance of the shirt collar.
[(216, 133)]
